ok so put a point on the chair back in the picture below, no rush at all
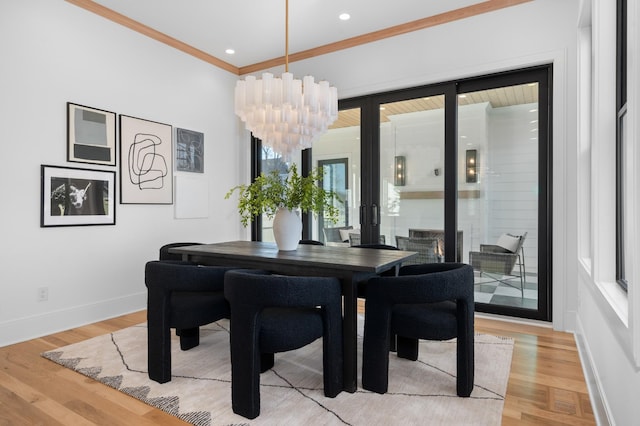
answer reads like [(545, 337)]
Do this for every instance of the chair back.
[(511, 243), (332, 235), (256, 288), (355, 239), (427, 249), (439, 234), (376, 246), (311, 242), (164, 251)]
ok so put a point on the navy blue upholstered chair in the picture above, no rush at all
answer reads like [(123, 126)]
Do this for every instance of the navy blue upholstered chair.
[(311, 242), (276, 313), (362, 285), (428, 301), (183, 296), (164, 250)]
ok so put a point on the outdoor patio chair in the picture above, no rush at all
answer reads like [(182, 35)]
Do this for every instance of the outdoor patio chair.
[(355, 239), (498, 261), (333, 235), (427, 249)]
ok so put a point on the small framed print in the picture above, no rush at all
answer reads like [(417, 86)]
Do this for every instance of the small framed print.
[(76, 197), (91, 135), (146, 162), (189, 151)]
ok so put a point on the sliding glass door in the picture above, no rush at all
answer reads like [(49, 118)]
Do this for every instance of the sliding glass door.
[(412, 176), (503, 194), (337, 154), (457, 171)]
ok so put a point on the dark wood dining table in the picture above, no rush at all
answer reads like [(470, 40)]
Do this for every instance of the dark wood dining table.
[(350, 265)]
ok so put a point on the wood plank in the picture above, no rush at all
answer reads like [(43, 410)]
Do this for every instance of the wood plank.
[(419, 24), (134, 25)]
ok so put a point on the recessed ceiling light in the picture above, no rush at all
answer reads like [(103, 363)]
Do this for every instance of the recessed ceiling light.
[(344, 16), (229, 51)]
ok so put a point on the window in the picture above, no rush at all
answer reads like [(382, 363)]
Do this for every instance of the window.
[(622, 169)]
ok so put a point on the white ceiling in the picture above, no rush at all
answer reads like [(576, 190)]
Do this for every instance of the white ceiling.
[(256, 28)]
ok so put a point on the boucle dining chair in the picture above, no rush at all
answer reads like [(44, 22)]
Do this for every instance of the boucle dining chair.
[(276, 313), (362, 285), (164, 250), (183, 296), (430, 301), (311, 242)]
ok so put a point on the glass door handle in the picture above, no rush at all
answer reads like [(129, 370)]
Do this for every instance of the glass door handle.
[(374, 215)]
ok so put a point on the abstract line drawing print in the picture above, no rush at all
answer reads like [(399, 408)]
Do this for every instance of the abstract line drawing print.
[(146, 161), (147, 168)]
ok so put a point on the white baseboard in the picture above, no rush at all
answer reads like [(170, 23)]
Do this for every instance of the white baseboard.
[(598, 404), (27, 328)]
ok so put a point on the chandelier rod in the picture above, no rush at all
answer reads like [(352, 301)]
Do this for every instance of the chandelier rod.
[(286, 37)]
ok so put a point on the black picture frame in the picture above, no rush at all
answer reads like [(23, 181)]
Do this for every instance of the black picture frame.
[(91, 135), (146, 161), (189, 151), (73, 196)]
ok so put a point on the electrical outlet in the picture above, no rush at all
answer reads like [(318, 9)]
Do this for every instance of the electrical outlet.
[(43, 294)]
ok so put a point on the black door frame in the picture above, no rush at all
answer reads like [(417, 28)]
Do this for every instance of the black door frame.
[(369, 106), (370, 167)]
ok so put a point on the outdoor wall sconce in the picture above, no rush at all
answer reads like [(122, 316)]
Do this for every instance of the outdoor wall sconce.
[(400, 171), (471, 165)]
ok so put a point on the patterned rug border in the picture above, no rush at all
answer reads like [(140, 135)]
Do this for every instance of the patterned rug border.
[(146, 392)]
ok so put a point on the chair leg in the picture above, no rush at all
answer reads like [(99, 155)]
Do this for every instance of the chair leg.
[(375, 360), (465, 366), (393, 347), (189, 338), (245, 367), (158, 340), (407, 348), (332, 355), (266, 362)]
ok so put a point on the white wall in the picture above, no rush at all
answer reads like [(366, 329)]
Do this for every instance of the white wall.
[(608, 320), (53, 52)]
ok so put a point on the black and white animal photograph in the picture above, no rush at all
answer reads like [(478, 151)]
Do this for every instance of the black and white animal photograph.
[(71, 197)]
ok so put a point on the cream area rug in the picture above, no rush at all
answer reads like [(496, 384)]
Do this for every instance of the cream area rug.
[(420, 392)]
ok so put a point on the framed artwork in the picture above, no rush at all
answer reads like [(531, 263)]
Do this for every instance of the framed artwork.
[(91, 135), (146, 162), (75, 197), (189, 151)]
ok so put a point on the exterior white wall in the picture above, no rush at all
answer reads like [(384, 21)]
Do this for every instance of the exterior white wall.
[(52, 53)]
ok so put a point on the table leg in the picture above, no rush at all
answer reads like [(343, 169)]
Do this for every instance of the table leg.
[(350, 333)]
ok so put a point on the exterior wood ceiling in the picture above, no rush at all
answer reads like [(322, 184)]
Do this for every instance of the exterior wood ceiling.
[(497, 98)]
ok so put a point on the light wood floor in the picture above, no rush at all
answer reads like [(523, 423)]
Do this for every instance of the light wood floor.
[(546, 384)]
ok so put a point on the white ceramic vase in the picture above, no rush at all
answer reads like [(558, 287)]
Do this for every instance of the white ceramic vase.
[(287, 229)]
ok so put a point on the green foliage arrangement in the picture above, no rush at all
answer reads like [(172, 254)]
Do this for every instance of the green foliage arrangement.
[(272, 191)]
